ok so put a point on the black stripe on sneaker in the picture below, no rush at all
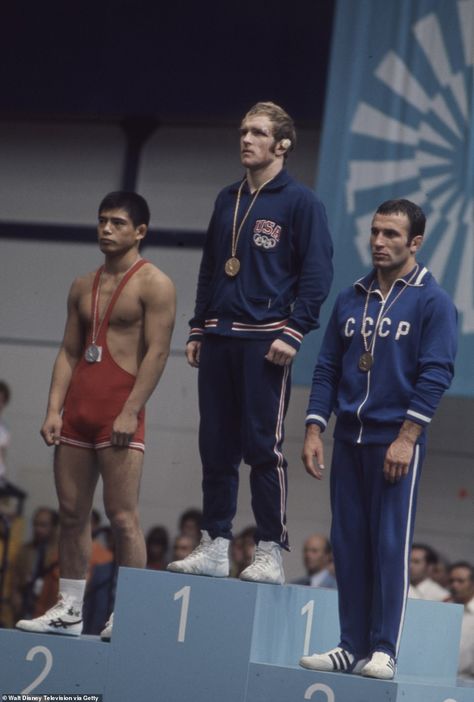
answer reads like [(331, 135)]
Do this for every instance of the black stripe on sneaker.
[(334, 661), (58, 623), (391, 663), (346, 659), (342, 662)]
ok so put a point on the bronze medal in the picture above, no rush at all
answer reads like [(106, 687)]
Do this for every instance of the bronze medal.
[(366, 361), (232, 266)]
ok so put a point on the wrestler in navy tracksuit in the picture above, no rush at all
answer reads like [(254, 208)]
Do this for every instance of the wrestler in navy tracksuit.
[(285, 252), (373, 519)]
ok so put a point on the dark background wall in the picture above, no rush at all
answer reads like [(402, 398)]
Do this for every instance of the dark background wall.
[(176, 62)]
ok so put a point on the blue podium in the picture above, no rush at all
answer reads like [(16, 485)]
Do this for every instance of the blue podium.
[(186, 638), (33, 663)]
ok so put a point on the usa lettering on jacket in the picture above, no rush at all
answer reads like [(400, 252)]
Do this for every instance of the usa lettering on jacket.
[(384, 329), (266, 233)]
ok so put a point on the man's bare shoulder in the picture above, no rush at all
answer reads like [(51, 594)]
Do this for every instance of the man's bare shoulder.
[(82, 284), (154, 281)]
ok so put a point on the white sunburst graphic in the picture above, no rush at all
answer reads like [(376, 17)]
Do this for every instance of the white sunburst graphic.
[(437, 145)]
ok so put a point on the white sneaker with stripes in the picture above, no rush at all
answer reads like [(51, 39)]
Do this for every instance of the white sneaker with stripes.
[(64, 618), (337, 660), (381, 666), (211, 558), (267, 566)]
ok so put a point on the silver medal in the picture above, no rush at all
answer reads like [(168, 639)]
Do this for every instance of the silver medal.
[(93, 353)]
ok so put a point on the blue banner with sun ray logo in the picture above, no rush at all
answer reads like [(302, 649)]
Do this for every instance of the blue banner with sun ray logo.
[(399, 122)]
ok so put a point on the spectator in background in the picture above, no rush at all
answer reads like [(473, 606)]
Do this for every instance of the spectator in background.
[(461, 583), (190, 524), (7, 489), (35, 560), (242, 550), (422, 586), (101, 551), (317, 557), (4, 432), (157, 545), (440, 572), (183, 546)]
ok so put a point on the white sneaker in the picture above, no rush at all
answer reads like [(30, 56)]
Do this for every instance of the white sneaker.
[(64, 618), (106, 633), (337, 660), (211, 557), (267, 566), (381, 666)]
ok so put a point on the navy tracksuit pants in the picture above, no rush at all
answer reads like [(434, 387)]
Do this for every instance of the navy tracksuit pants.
[(242, 401), (371, 535)]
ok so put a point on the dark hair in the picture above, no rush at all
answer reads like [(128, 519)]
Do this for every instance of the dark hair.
[(283, 125), (431, 556), (414, 213), (52, 513), (134, 204), (5, 391), (249, 532), (158, 535), (463, 564), (193, 514)]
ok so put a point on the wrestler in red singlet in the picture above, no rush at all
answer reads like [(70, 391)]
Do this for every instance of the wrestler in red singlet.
[(98, 391)]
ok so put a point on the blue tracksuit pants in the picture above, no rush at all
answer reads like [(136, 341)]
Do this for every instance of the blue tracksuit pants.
[(242, 401), (371, 535)]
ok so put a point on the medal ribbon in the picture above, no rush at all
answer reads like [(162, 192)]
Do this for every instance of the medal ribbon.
[(235, 231), (97, 325), (369, 347)]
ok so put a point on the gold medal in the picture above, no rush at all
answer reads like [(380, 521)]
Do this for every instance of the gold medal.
[(232, 266), (366, 361)]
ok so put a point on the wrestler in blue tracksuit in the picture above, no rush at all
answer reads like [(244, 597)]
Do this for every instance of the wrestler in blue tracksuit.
[(413, 360), (285, 254)]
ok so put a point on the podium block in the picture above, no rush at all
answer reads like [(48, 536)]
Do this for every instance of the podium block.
[(293, 620), (272, 683), (42, 663), (179, 638)]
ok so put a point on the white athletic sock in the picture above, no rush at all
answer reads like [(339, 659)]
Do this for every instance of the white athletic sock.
[(73, 589)]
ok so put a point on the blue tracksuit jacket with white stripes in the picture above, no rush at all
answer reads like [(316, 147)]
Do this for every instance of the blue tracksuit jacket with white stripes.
[(414, 351), (285, 251)]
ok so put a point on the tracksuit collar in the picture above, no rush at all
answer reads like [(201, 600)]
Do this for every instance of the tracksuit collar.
[(279, 181), (365, 282)]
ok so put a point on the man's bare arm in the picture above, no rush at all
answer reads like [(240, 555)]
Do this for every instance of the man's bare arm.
[(159, 301), (66, 360)]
